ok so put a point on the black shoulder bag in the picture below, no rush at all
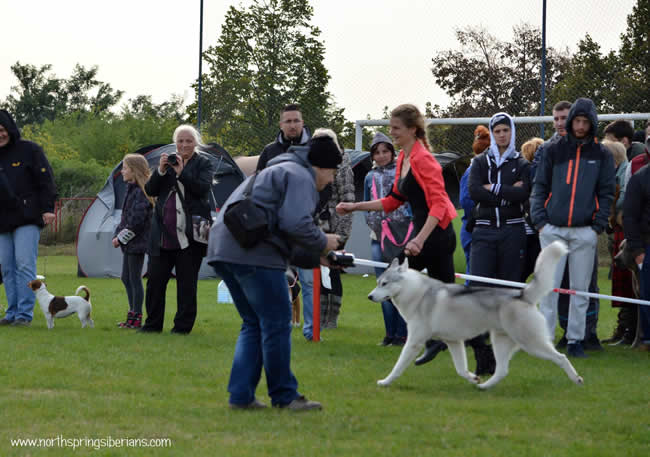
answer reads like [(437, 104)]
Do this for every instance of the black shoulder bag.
[(245, 220)]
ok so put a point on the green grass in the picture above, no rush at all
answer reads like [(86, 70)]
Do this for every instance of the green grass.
[(106, 381)]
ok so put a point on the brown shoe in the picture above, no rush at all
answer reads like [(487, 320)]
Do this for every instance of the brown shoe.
[(4, 321), (302, 404), (255, 404), (644, 347)]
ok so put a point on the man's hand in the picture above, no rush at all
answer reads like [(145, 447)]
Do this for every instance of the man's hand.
[(116, 243), (639, 259), (48, 218), (333, 241)]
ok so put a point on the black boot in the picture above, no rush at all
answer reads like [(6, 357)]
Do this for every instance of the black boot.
[(431, 350), (485, 363)]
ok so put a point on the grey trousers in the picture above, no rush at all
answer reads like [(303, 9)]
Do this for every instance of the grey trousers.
[(582, 243)]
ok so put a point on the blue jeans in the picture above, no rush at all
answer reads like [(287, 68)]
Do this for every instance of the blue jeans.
[(393, 321), (306, 277), (644, 311), (18, 253), (261, 296)]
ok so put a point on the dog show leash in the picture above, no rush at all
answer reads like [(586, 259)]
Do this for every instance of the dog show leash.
[(347, 259)]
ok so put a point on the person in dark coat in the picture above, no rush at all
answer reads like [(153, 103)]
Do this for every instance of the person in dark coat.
[(182, 184), (293, 132), (571, 200), (132, 234), (27, 196)]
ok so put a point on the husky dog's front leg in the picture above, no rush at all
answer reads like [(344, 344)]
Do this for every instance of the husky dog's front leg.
[(459, 357), (409, 351)]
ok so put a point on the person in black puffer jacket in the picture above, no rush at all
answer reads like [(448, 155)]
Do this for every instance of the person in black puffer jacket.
[(27, 196), (182, 187)]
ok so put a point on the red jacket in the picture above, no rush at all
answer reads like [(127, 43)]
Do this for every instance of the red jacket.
[(428, 174)]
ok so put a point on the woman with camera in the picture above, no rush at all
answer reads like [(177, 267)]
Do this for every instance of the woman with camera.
[(287, 194), (181, 185)]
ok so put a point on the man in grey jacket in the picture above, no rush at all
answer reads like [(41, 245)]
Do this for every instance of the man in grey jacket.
[(288, 194), (571, 199)]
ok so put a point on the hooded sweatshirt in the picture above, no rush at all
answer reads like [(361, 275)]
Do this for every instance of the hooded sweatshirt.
[(288, 196), (503, 203), (27, 188), (576, 178)]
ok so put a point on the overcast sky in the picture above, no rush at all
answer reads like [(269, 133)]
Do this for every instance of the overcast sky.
[(378, 52)]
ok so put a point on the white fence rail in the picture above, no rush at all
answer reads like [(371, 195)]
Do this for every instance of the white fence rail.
[(484, 120)]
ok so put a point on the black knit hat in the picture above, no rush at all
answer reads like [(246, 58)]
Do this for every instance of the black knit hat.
[(500, 119), (324, 153)]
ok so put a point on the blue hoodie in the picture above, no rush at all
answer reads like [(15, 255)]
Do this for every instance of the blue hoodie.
[(575, 181)]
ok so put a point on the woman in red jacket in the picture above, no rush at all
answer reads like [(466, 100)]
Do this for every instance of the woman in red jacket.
[(418, 180)]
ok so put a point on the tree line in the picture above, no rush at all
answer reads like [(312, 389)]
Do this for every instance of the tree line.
[(270, 54)]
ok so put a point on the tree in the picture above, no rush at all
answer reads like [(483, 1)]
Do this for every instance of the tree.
[(634, 93), (41, 96), (488, 75), (267, 56), (591, 74)]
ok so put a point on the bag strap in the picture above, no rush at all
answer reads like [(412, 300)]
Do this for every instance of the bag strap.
[(248, 191), (375, 194), (386, 233)]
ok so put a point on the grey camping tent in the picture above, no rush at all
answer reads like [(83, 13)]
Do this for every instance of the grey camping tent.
[(95, 254)]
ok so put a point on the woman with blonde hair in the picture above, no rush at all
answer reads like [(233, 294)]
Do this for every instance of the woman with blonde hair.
[(419, 181), (181, 184), (132, 234), (529, 147)]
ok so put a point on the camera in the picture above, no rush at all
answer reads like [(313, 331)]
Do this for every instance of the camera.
[(172, 159)]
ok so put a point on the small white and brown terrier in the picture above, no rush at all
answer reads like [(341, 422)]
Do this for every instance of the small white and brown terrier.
[(56, 306)]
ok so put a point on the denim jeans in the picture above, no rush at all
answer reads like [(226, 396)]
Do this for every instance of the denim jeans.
[(18, 253), (261, 296), (393, 321), (306, 277), (644, 311)]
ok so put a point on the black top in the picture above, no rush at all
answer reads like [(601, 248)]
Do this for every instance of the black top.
[(409, 188)]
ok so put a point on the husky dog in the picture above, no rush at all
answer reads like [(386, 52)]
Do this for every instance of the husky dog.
[(454, 313)]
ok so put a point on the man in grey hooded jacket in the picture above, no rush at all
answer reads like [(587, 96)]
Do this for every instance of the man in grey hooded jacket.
[(571, 199), (288, 195)]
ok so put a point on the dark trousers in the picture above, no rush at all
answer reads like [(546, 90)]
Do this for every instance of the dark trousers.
[(132, 279), (187, 262), (498, 252), (437, 255), (533, 248)]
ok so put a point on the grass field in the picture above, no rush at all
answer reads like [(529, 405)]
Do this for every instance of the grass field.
[(106, 382)]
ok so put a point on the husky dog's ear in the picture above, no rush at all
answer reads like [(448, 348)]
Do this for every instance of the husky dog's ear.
[(394, 263), (405, 265)]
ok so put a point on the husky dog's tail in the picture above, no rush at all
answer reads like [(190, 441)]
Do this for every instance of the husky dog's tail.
[(542, 282), (85, 289)]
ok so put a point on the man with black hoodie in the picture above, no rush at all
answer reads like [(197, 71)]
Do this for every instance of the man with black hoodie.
[(572, 195), (292, 133), (27, 195)]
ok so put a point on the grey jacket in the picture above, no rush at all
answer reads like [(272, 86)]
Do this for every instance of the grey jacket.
[(288, 195)]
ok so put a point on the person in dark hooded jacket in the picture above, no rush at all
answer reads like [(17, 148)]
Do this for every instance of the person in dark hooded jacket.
[(571, 199), (293, 132), (27, 196)]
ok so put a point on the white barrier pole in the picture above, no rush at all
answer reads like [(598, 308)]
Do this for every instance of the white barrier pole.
[(520, 285)]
